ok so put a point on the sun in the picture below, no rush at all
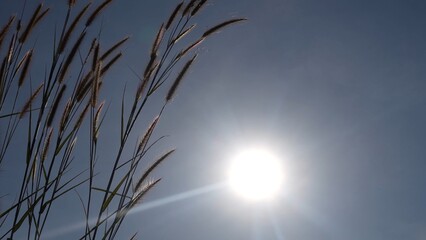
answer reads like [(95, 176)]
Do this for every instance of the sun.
[(255, 174)]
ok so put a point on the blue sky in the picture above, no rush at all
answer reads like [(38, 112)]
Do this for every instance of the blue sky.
[(336, 88)]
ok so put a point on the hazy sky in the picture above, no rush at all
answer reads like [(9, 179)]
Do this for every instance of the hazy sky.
[(337, 88)]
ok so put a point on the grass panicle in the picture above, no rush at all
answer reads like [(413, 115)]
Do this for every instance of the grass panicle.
[(150, 65), (184, 33), (173, 15), (145, 175), (96, 123), (28, 103), (198, 7), (142, 191), (96, 84), (65, 115), (46, 144), (11, 48), (111, 63), (113, 48), (3, 70), (28, 57), (189, 48), (144, 140), (71, 3), (81, 117), (222, 25), (158, 40), (142, 86), (5, 29), (83, 86), (188, 7), (70, 57), (98, 112), (56, 105), (30, 24), (41, 16), (71, 28), (95, 57), (97, 11), (178, 79)]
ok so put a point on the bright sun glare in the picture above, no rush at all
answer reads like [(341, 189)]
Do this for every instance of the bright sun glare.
[(255, 174)]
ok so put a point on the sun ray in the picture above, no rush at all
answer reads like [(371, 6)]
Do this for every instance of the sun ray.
[(60, 231)]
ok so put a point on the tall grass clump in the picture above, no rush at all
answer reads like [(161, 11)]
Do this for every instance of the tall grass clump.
[(49, 111)]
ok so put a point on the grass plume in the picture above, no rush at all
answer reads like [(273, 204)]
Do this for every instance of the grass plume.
[(178, 79), (27, 105), (71, 28), (56, 105), (28, 58), (173, 15), (5, 29), (151, 168), (113, 48), (97, 12), (70, 57), (222, 25), (30, 24)]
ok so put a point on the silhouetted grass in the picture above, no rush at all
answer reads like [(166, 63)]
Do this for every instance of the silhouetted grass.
[(53, 115)]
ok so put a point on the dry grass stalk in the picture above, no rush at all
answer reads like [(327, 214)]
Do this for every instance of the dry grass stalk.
[(179, 78), (28, 56), (97, 11), (158, 40), (222, 25), (113, 48), (28, 103), (55, 105), (31, 24), (70, 57), (71, 28), (173, 15), (46, 144), (5, 29)]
